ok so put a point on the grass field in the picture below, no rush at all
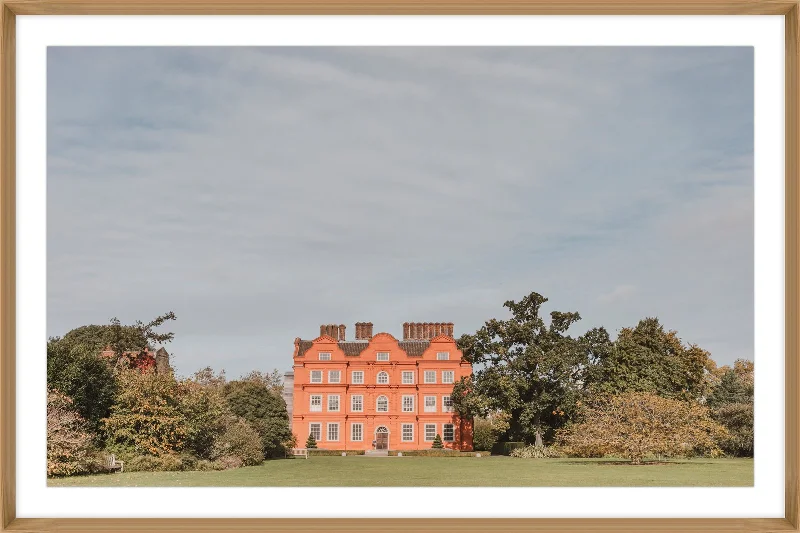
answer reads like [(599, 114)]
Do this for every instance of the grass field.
[(359, 471)]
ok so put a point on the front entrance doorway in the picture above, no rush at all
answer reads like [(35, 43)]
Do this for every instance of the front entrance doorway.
[(381, 438)]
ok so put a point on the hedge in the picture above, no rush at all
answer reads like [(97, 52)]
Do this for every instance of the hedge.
[(505, 448), (317, 451), (437, 453)]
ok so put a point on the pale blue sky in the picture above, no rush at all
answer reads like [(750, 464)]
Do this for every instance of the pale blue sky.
[(261, 192)]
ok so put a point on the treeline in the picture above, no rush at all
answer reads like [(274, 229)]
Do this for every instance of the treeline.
[(102, 402), (646, 393)]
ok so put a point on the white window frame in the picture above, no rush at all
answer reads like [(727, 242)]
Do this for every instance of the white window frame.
[(451, 374), (442, 356), (338, 374), (360, 432), (408, 397), (360, 375), (430, 373), (311, 403), (403, 428), (353, 403), (407, 373), (433, 437), (430, 408), (313, 373), (377, 403), (319, 430), (324, 356), (338, 403), (444, 432), (379, 356), (330, 426), (445, 407), (378, 378)]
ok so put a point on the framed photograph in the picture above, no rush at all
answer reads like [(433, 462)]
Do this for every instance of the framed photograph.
[(366, 266)]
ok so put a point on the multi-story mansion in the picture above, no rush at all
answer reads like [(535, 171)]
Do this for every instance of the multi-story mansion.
[(377, 392)]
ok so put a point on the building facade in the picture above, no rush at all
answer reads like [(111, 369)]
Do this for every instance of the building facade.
[(377, 392)]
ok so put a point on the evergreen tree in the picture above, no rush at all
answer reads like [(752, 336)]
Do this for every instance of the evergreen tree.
[(311, 443), (437, 442)]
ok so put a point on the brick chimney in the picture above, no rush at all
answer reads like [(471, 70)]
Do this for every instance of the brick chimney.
[(341, 332), (334, 331), (363, 331), (426, 330)]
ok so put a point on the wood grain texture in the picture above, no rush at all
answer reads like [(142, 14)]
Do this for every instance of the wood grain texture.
[(792, 303), (7, 263), (400, 7), (9, 9)]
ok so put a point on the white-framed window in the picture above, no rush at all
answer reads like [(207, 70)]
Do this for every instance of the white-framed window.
[(333, 431), (316, 403), (315, 430), (430, 432), (334, 376), (316, 376), (430, 404), (448, 376), (443, 356), (357, 432), (408, 404), (382, 356), (408, 377), (448, 432), (333, 402), (447, 404), (382, 404), (357, 403), (324, 356), (408, 432), (430, 376), (383, 378), (357, 377)]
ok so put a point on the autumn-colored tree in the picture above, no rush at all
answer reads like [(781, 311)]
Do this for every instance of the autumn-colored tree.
[(69, 444), (147, 414), (636, 425)]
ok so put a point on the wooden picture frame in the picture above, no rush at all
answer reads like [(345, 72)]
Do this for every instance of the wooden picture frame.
[(11, 8)]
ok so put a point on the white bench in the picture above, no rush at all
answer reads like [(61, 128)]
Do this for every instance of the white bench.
[(112, 463), (297, 452)]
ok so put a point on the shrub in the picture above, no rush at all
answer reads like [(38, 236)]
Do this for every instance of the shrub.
[(238, 440), (205, 465), (437, 442), (229, 461), (505, 448), (535, 452), (69, 444), (168, 462), (486, 431), (311, 442)]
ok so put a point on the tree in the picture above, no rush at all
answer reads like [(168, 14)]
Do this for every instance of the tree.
[(263, 409), (311, 442), (238, 441), (636, 425), (88, 380), (531, 369), (69, 444), (647, 358), (486, 431), (205, 410), (273, 381), (731, 402), (147, 414), (437, 442)]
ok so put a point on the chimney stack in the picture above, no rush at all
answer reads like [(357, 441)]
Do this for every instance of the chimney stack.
[(363, 331), (333, 331), (426, 330), (341, 332)]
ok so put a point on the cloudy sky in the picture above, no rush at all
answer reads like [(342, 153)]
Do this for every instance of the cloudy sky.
[(261, 192)]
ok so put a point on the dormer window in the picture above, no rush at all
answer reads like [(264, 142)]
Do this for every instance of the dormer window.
[(443, 356), (324, 356), (383, 356)]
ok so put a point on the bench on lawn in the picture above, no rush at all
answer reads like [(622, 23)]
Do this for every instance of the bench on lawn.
[(112, 463), (297, 452)]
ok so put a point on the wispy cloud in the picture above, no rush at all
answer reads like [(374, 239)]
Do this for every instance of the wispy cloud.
[(260, 192)]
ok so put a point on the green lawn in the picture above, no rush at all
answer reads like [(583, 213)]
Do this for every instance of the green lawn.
[(359, 471)]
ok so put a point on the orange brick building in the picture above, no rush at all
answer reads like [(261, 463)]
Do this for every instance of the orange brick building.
[(377, 392)]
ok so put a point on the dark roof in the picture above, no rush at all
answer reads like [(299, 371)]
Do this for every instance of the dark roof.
[(354, 348)]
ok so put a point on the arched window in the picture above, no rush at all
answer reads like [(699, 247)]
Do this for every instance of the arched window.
[(382, 404), (383, 378)]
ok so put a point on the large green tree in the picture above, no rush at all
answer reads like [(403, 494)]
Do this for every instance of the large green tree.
[(731, 403), (529, 369), (263, 409), (647, 358)]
